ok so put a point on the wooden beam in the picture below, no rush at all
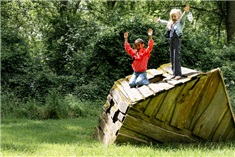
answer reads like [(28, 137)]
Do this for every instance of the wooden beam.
[(205, 124), (186, 101), (168, 104), (204, 99), (152, 131)]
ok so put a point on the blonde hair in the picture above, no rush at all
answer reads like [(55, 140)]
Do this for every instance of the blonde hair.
[(173, 11)]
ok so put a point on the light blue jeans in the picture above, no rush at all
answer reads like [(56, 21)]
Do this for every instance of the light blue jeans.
[(138, 79)]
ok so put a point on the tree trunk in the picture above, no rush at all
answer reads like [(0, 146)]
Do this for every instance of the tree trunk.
[(230, 20)]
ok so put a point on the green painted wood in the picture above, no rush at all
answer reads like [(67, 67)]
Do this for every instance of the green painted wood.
[(186, 101), (231, 135), (133, 137), (169, 103), (205, 124), (221, 130), (156, 122), (141, 105), (152, 131), (154, 104), (204, 99)]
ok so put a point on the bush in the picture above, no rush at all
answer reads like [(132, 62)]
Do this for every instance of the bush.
[(109, 61), (55, 106)]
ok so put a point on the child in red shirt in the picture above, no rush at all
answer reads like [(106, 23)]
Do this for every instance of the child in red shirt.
[(140, 57)]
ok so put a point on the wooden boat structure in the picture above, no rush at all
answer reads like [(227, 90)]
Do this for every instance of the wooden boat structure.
[(195, 108)]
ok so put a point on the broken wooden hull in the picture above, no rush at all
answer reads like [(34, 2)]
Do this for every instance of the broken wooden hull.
[(192, 109)]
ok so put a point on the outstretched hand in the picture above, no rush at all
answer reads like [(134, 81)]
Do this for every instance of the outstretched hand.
[(126, 35), (150, 32), (186, 9), (156, 19)]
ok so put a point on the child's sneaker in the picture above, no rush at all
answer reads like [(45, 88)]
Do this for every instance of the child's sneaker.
[(178, 77)]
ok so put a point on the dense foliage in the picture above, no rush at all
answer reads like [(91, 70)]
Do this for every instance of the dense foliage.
[(52, 50)]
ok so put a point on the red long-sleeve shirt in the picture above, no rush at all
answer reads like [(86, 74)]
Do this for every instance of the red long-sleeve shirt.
[(140, 62)]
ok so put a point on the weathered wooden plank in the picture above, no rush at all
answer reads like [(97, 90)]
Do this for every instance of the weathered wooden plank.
[(128, 77), (220, 132), (167, 76), (141, 105), (230, 131), (172, 108), (106, 106), (123, 107), (231, 135), (174, 82), (204, 99), (160, 86), (180, 104), (169, 103), (104, 126), (225, 90), (149, 75), (98, 134), (167, 68), (132, 93), (155, 72), (121, 117), (186, 101), (205, 124), (154, 104), (116, 127), (113, 110), (141, 115), (120, 99), (156, 122), (109, 97), (153, 131), (186, 79), (118, 85), (125, 135), (145, 91), (109, 128), (118, 95), (186, 71), (193, 76), (218, 121), (114, 130), (123, 138)]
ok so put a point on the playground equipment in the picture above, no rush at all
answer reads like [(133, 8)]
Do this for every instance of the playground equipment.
[(193, 109)]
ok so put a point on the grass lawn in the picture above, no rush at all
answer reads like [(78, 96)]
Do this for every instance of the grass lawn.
[(74, 137)]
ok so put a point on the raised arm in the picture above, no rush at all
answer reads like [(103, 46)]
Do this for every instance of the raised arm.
[(164, 22), (183, 16), (127, 46), (151, 42)]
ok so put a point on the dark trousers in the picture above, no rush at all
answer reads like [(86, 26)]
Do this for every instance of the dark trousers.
[(175, 46)]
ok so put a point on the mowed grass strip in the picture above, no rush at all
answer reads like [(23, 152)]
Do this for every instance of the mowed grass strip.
[(74, 137)]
